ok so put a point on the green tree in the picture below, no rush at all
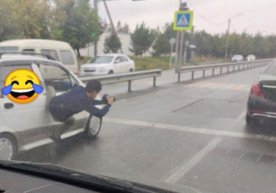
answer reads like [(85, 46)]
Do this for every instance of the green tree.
[(169, 32), (161, 46), (8, 28), (112, 44), (141, 39), (32, 19), (81, 24)]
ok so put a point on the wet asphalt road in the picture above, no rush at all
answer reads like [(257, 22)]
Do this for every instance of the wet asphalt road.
[(190, 136)]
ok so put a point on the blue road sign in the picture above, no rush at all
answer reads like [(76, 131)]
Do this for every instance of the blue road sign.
[(183, 20)]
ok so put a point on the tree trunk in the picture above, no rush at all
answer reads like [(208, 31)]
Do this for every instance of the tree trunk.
[(78, 52)]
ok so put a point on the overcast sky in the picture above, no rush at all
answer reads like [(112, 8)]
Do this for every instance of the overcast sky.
[(251, 16)]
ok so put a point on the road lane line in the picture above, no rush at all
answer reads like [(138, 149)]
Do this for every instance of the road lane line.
[(228, 87), (198, 84), (242, 87), (214, 85), (242, 115), (222, 86), (202, 131), (180, 173)]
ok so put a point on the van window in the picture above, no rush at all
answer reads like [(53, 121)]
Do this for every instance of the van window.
[(28, 51), (52, 53), (5, 49), (67, 57)]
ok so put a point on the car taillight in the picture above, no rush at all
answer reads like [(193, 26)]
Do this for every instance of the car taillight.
[(256, 90)]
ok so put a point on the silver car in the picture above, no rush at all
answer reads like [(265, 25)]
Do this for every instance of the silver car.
[(237, 58), (26, 126)]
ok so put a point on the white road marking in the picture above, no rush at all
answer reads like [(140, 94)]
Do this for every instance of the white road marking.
[(206, 85), (202, 131), (37, 188), (37, 144), (222, 86), (242, 115), (242, 87), (229, 86), (180, 172), (48, 140), (197, 84)]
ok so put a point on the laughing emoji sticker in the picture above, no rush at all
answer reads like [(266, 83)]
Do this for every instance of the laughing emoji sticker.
[(22, 86)]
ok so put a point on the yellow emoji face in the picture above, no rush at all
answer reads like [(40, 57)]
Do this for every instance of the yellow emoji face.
[(22, 86)]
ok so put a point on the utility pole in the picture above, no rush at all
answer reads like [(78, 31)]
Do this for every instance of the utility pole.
[(96, 42), (180, 36), (227, 40), (111, 21)]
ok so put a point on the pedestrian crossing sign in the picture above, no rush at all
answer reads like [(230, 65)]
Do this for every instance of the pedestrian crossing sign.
[(183, 20)]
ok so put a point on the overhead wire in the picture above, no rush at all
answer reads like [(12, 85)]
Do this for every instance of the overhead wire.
[(204, 18)]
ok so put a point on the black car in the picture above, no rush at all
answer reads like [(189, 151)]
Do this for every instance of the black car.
[(262, 99)]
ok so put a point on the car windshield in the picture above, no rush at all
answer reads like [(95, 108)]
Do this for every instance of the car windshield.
[(102, 60), (175, 94)]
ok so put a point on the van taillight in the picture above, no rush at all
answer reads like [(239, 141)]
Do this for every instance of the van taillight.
[(256, 90)]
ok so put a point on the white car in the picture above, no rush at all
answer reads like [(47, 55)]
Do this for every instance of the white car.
[(237, 58), (251, 57), (26, 126), (108, 64)]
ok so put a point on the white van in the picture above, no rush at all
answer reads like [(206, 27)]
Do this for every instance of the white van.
[(59, 50)]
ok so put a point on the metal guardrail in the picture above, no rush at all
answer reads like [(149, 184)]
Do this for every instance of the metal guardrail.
[(126, 77), (230, 67)]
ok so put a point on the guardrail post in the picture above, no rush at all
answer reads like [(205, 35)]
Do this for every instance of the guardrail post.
[(213, 71), (178, 76), (220, 70), (129, 86), (154, 81), (203, 73), (193, 72)]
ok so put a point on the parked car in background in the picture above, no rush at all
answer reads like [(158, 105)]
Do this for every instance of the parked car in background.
[(237, 58), (251, 57), (262, 99), (60, 51), (108, 64)]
